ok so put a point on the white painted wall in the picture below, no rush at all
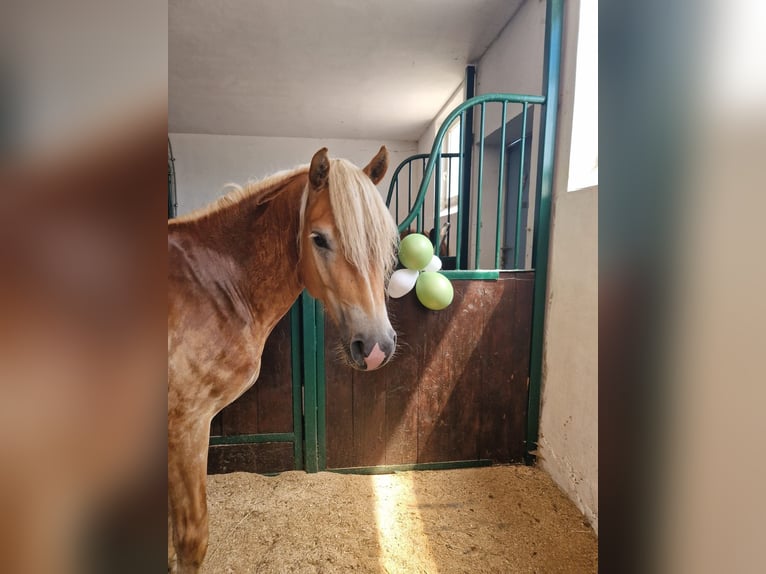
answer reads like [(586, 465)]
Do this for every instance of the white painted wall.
[(429, 134), (205, 163), (568, 443)]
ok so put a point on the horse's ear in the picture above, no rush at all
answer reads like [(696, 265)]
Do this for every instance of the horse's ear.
[(376, 169), (319, 170)]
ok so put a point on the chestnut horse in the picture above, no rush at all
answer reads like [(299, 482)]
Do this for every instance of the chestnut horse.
[(235, 268)]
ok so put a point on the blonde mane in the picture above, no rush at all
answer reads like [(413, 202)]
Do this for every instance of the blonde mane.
[(366, 230)]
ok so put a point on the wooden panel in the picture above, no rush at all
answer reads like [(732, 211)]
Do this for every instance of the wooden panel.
[(372, 417), (261, 457), (457, 389), (274, 385), (450, 339), (401, 383), (369, 408), (505, 373), (216, 426), (339, 409), (267, 405), (520, 361)]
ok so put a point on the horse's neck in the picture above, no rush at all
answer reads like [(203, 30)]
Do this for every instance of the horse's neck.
[(261, 239)]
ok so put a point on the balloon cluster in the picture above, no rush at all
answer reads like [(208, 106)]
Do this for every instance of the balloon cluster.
[(433, 289)]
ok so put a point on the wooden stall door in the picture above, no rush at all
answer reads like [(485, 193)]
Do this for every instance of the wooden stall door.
[(456, 391)]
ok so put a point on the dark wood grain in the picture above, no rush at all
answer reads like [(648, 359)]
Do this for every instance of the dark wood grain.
[(216, 425), (263, 458), (369, 419), (340, 388), (400, 378), (274, 385), (266, 406), (457, 389)]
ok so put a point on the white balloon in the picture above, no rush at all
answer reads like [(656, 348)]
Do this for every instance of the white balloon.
[(402, 282), (434, 265)]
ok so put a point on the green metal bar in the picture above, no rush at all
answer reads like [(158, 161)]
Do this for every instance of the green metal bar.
[(321, 394), (492, 274), (419, 221), (409, 188), (394, 185), (449, 206), (397, 199), (309, 383), (516, 249), (295, 357), (500, 186), (392, 468), (253, 438), (553, 32), (437, 203), (460, 198), (399, 168), (477, 246), (436, 148), (466, 159)]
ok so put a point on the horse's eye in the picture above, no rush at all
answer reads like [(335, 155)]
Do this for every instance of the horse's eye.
[(320, 240)]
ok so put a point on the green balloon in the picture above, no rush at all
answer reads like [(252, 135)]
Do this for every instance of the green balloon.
[(434, 290), (415, 251)]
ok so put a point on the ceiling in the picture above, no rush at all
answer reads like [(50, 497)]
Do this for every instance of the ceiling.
[(357, 69)]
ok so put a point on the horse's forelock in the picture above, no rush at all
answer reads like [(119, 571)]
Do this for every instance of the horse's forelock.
[(367, 232)]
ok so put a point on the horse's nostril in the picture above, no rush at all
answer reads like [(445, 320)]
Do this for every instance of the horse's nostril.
[(357, 350)]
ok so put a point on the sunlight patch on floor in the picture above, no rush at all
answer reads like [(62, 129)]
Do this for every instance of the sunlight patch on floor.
[(404, 545)]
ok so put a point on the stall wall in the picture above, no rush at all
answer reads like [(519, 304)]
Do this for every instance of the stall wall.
[(206, 163), (568, 442)]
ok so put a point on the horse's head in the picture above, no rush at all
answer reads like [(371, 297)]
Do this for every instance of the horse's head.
[(347, 251)]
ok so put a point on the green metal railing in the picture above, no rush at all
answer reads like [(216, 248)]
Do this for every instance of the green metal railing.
[(434, 166), (394, 187)]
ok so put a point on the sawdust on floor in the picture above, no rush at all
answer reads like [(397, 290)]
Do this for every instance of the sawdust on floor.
[(498, 519)]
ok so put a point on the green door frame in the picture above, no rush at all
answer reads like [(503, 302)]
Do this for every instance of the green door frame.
[(313, 371)]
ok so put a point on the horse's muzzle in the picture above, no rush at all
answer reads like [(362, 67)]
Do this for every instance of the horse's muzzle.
[(370, 353)]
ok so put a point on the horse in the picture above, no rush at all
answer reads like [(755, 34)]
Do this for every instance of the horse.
[(235, 269)]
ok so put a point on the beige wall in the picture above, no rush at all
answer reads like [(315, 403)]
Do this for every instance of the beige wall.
[(569, 416)]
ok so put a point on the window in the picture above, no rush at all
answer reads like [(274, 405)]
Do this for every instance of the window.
[(450, 170), (583, 155)]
